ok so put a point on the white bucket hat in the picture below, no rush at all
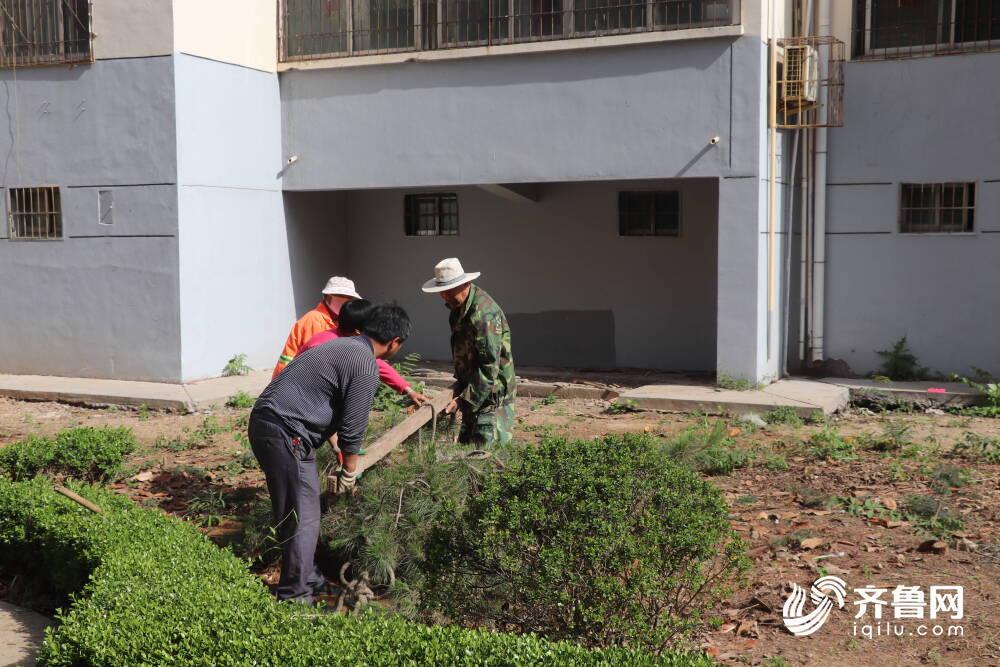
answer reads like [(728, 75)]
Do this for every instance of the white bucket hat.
[(447, 274), (341, 286)]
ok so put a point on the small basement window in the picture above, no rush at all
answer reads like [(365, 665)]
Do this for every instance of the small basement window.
[(937, 207), (431, 214), (35, 214), (649, 213)]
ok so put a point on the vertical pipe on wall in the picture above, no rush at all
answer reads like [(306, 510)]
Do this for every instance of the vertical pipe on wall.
[(772, 123), (825, 16), (786, 296), (772, 113), (805, 259)]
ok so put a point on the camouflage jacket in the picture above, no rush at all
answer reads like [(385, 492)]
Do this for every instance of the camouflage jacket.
[(480, 344)]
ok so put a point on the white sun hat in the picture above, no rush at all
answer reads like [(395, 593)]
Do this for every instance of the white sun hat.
[(341, 286), (447, 274)]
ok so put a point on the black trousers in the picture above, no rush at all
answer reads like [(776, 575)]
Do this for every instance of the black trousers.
[(290, 468)]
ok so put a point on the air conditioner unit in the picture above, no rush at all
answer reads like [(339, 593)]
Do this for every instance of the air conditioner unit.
[(800, 85)]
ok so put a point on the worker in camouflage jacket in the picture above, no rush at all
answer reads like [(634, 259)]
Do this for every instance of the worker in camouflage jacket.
[(485, 386)]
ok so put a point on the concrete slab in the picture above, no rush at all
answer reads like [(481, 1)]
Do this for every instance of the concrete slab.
[(21, 634), (925, 393), (215, 392), (800, 395), (158, 395)]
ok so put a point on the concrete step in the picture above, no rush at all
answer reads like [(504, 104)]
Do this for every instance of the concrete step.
[(806, 397)]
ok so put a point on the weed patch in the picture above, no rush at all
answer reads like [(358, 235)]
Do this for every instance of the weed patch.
[(828, 445), (977, 448), (241, 400)]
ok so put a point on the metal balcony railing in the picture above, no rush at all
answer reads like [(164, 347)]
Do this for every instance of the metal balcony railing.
[(313, 29), (44, 32)]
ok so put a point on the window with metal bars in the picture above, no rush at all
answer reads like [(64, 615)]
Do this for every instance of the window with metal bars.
[(649, 213), (937, 207), (45, 32), (337, 28), (434, 214), (35, 214), (911, 27)]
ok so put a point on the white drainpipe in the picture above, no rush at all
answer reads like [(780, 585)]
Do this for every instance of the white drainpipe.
[(819, 236)]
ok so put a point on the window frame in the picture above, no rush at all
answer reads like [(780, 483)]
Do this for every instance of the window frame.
[(433, 36), (946, 7), (410, 202), (652, 233), (62, 54), (968, 188), (12, 215)]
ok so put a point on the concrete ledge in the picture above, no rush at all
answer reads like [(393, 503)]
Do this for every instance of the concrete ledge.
[(84, 391), (918, 393), (807, 398), (155, 395)]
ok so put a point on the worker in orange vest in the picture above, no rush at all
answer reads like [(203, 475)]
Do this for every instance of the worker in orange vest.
[(338, 291)]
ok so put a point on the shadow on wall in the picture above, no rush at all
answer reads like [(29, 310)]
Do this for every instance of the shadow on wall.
[(564, 338), (314, 220)]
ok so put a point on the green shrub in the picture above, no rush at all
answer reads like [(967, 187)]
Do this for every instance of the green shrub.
[(978, 448), (894, 437), (606, 542), (241, 400), (386, 399), (237, 365), (827, 444), (150, 590), (382, 529), (899, 362), (783, 415), (86, 453), (708, 450)]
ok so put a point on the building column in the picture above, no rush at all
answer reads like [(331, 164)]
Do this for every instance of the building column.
[(742, 265)]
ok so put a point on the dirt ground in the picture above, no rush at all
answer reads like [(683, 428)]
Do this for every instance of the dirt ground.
[(803, 515)]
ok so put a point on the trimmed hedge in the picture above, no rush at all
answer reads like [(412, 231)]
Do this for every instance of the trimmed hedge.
[(147, 589), (86, 453)]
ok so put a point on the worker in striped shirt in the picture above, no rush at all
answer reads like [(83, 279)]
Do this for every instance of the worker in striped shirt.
[(326, 390)]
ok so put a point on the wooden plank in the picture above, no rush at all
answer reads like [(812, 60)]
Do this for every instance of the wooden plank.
[(77, 498), (395, 436)]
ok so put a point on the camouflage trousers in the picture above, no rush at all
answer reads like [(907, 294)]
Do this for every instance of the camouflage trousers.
[(488, 428)]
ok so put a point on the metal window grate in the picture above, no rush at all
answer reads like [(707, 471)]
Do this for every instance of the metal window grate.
[(810, 84), (35, 214), (433, 214), (908, 28), (937, 207), (649, 213), (339, 28), (45, 32)]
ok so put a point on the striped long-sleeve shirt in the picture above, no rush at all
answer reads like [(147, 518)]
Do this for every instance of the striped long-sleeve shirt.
[(325, 390)]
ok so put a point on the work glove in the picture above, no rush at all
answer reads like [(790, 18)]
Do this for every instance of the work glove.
[(343, 482)]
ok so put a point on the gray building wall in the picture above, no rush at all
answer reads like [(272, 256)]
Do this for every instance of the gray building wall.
[(316, 230), (920, 120), (104, 301), (610, 113), (575, 292)]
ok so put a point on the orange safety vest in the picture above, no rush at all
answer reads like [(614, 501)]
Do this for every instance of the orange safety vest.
[(316, 320)]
